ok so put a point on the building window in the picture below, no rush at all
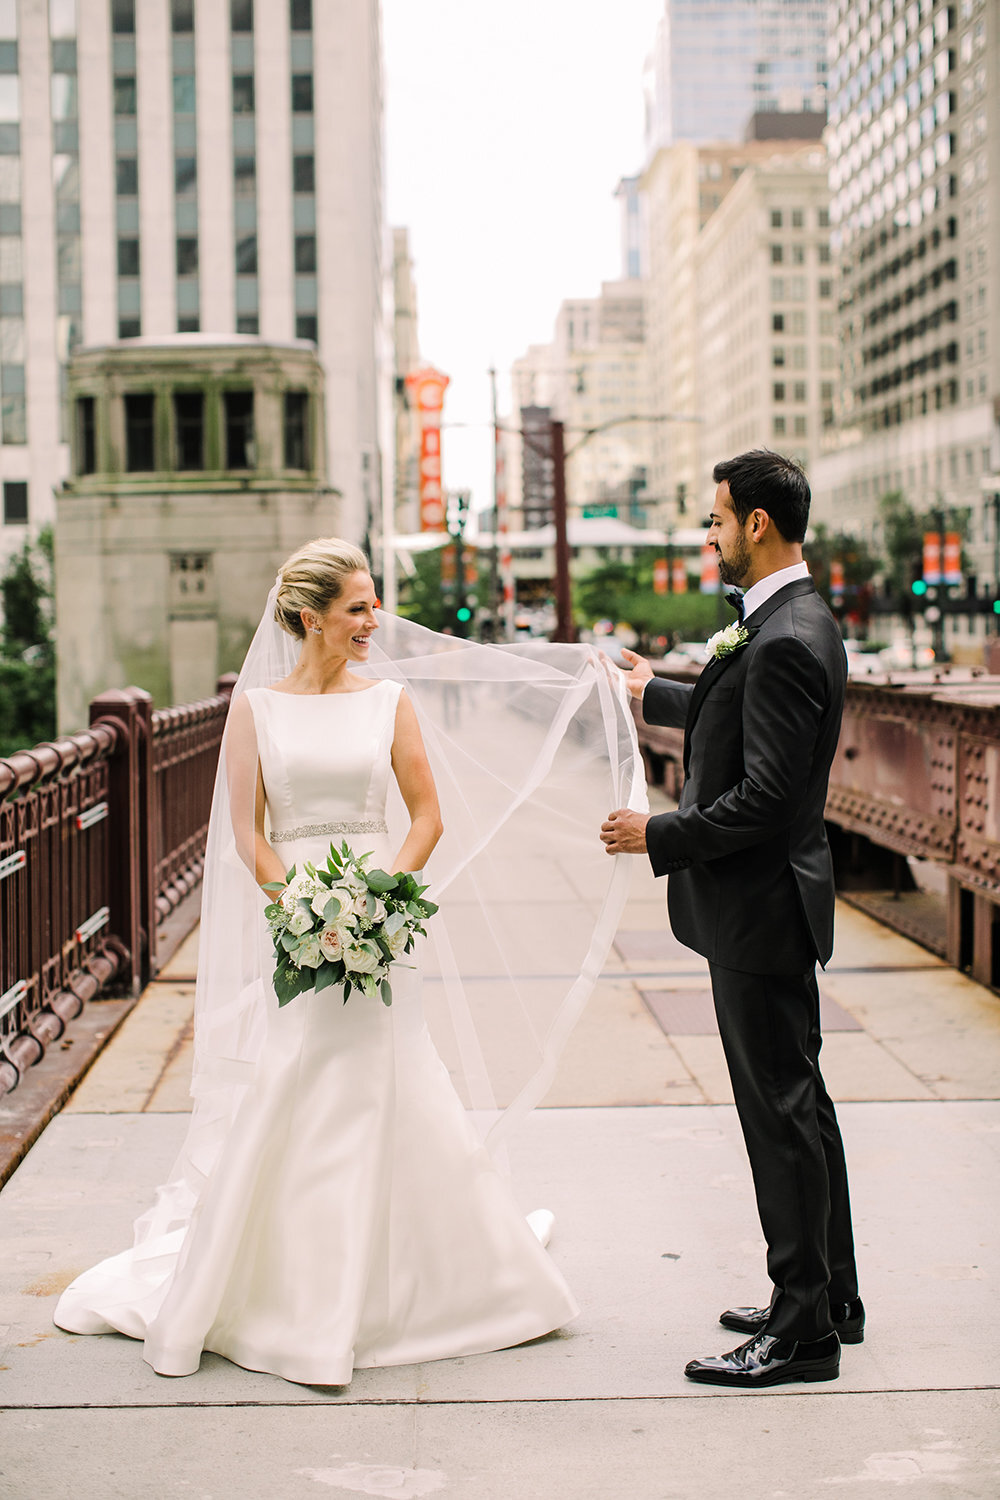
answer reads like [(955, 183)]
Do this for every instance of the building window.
[(248, 323), (301, 15), (778, 390), (800, 427), (775, 218), (182, 15), (187, 256), (302, 93), (189, 325), (779, 426), (305, 252), (86, 435), (823, 218), (304, 174), (245, 174), (123, 17), (777, 356), (189, 430), (127, 176), (128, 257), (125, 95), (777, 255), (15, 502), (307, 327), (798, 218), (826, 288), (241, 15), (139, 418), (799, 391), (778, 322), (239, 429), (824, 254), (184, 94), (185, 174), (297, 430), (243, 98)]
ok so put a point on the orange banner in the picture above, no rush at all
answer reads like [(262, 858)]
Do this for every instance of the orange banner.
[(836, 577), (952, 558), (427, 388), (709, 570), (932, 557), (679, 576), (660, 576)]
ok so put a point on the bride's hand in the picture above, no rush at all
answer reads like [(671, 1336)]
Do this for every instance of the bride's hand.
[(637, 672)]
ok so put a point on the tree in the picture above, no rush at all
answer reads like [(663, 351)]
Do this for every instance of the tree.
[(428, 601), (27, 648), (624, 593)]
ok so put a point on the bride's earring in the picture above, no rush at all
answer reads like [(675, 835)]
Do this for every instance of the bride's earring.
[(315, 630)]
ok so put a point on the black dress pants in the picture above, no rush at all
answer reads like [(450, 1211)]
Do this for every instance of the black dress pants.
[(770, 1031)]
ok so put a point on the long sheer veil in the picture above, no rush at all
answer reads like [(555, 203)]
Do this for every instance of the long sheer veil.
[(531, 745)]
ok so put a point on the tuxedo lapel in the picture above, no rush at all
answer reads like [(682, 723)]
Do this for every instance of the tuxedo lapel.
[(711, 673)]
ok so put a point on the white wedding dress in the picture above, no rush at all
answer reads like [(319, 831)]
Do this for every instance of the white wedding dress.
[(353, 1217)]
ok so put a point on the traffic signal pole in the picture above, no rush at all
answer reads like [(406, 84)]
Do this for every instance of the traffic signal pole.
[(564, 613)]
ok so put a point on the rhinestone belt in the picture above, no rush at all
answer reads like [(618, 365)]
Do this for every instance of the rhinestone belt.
[(310, 830)]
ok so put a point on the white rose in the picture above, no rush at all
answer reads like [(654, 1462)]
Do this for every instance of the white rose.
[(361, 958), (303, 886), (299, 922), (344, 896), (397, 942), (309, 955), (331, 941)]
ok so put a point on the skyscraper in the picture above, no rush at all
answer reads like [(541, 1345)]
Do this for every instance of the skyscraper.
[(717, 62), (914, 141), (173, 166)]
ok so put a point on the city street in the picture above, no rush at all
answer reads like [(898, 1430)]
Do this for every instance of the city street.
[(639, 1154)]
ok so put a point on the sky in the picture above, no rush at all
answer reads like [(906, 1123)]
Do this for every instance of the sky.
[(508, 127)]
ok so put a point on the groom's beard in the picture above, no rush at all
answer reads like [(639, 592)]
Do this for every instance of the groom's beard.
[(735, 567)]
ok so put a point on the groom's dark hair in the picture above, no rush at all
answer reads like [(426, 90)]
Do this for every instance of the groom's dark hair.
[(761, 480)]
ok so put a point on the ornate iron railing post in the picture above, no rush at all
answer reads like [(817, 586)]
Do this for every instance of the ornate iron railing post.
[(132, 914)]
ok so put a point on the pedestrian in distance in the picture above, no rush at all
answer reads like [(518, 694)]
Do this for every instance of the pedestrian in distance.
[(751, 888)]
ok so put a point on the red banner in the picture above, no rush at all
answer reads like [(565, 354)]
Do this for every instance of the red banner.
[(660, 576), (932, 557), (427, 388), (952, 559), (679, 576)]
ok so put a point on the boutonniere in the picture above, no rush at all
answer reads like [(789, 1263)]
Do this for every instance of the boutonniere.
[(725, 642)]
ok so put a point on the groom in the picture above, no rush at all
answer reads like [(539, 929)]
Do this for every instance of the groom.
[(751, 888)]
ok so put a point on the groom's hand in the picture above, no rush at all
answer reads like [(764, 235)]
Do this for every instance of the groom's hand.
[(637, 672), (625, 832)]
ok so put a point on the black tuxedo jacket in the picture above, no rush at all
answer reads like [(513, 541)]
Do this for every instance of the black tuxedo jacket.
[(751, 878)]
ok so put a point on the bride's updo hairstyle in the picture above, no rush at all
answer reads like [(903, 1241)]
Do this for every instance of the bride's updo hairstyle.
[(313, 578)]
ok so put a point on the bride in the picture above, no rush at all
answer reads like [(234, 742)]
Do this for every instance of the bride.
[(334, 1206)]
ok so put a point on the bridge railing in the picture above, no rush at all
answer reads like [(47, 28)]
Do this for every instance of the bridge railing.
[(916, 777), (102, 835)]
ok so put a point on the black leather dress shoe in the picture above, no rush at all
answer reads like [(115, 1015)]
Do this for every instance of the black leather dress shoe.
[(848, 1320), (766, 1360)]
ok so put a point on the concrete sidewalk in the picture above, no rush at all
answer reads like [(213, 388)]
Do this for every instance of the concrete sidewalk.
[(639, 1153)]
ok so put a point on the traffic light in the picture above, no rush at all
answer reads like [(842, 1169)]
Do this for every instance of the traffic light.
[(918, 587)]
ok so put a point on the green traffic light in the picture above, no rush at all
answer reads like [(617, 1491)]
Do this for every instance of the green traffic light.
[(464, 615), (919, 586), (996, 606)]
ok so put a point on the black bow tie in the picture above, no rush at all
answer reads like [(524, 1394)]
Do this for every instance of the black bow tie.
[(735, 598)]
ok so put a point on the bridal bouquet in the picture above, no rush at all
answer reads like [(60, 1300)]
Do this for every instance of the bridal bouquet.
[(344, 924)]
